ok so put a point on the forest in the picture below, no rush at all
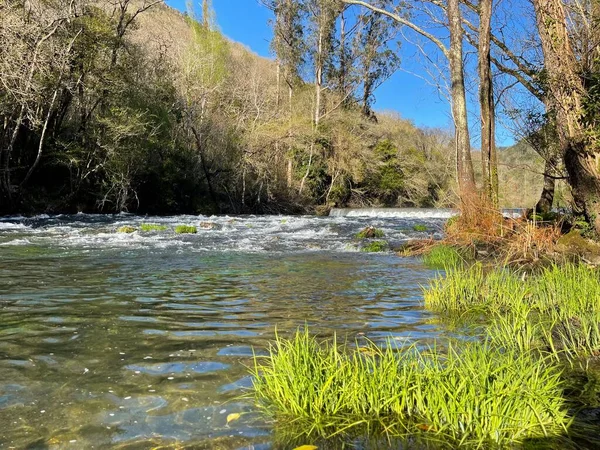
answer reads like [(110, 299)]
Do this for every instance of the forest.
[(122, 105)]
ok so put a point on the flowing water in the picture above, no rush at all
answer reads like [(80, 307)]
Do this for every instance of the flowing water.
[(114, 340)]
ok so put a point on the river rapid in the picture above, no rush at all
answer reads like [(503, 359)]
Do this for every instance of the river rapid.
[(116, 340)]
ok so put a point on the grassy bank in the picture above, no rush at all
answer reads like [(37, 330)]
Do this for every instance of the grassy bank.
[(527, 371), (556, 309)]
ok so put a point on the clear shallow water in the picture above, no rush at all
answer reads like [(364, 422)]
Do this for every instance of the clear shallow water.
[(111, 340)]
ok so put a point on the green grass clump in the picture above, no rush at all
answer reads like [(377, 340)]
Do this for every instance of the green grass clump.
[(186, 229), (126, 229), (556, 310), (569, 289), (458, 291), (560, 292), (420, 227), (375, 246), (441, 256), (148, 227), (369, 233), (475, 396)]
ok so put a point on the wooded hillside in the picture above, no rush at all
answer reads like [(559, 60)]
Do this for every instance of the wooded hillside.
[(133, 106)]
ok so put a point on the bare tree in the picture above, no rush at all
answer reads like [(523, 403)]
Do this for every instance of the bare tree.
[(567, 93), (454, 54)]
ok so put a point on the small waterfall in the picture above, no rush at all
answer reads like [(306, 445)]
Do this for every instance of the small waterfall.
[(411, 213), (400, 213)]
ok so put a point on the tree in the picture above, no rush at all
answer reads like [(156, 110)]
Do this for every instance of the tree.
[(204, 72), (289, 48), (487, 105), (377, 61), (322, 15), (454, 54), (567, 91)]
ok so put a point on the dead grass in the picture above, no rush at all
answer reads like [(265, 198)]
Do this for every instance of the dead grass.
[(482, 231)]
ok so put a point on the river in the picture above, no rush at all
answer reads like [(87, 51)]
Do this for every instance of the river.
[(115, 340)]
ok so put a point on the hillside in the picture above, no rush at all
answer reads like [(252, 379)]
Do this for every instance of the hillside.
[(166, 115)]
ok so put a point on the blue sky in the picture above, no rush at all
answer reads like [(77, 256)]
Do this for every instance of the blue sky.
[(247, 21)]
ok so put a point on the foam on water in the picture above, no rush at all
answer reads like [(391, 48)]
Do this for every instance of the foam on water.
[(252, 234)]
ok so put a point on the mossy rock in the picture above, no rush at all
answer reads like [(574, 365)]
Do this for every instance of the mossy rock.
[(420, 227), (148, 227), (185, 229), (573, 243), (126, 229), (370, 233), (375, 247)]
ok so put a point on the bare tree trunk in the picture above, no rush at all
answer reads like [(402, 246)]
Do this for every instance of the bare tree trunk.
[(343, 61), (290, 162), (5, 154), (278, 101), (204, 165), (464, 163), (544, 204), (206, 14), (486, 102), (318, 79), (566, 88), (48, 115), (318, 90)]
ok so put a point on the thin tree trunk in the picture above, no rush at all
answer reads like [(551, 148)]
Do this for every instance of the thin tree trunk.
[(464, 164), (203, 164), (486, 102), (289, 172), (290, 118), (343, 62), (5, 154), (48, 115), (318, 80), (318, 89), (278, 101), (41, 144)]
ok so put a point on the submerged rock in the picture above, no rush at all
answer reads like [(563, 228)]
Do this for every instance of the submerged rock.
[(126, 229), (208, 225)]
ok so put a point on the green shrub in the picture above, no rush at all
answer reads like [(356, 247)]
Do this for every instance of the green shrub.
[(369, 233), (147, 227), (185, 229), (375, 246), (474, 396), (420, 227), (126, 229)]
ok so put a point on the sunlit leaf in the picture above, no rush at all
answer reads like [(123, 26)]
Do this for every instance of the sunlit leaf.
[(233, 416), (307, 447)]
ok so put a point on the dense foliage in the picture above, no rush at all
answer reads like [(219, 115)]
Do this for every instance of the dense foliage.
[(123, 105)]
